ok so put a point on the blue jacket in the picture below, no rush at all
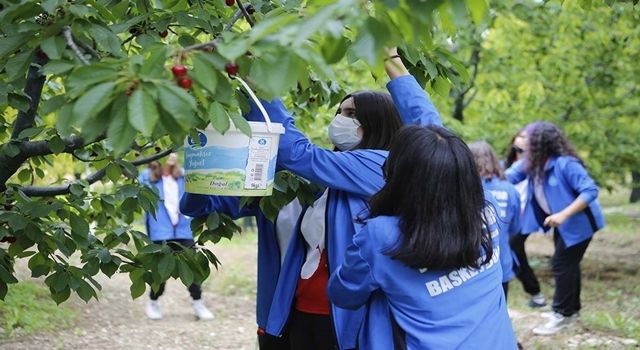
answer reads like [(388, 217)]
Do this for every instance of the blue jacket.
[(565, 179), (160, 228), (436, 309), (507, 205), (351, 177), (268, 251)]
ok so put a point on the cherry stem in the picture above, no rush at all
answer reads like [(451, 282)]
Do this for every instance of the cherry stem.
[(245, 13)]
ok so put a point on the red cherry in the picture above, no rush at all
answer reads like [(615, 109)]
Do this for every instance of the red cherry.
[(230, 2), (179, 71), (163, 34), (185, 83), (231, 68)]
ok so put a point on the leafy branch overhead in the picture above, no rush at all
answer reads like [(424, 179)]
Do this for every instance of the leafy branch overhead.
[(91, 89)]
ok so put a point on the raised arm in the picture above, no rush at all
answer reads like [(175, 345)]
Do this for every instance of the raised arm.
[(195, 205), (357, 171), (412, 102), (516, 173)]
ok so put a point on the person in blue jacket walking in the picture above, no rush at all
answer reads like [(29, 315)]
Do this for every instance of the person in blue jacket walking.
[(362, 133), (171, 226), (524, 272), (430, 245), (507, 203), (562, 196)]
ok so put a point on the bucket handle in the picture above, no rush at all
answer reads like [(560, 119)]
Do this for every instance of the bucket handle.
[(257, 101)]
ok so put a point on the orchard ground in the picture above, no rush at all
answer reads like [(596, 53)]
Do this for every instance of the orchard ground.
[(610, 318)]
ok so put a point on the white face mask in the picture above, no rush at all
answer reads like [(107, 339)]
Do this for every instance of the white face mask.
[(343, 132)]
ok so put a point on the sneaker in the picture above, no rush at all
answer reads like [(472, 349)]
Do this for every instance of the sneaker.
[(537, 300), (549, 314), (201, 311), (153, 310), (556, 323)]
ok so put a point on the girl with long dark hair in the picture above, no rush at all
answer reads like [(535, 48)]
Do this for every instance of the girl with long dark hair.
[(563, 197), (518, 146), (430, 246)]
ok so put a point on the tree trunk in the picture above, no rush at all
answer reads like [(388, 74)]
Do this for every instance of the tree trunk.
[(635, 187)]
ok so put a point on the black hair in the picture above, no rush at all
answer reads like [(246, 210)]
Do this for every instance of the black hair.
[(378, 117), (433, 186), (512, 152), (546, 140)]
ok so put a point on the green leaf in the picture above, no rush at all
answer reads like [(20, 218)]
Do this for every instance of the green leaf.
[(56, 145), (76, 190), (137, 288), (186, 275), (143, 114), (6, 276), (61, 296), (30, 132), (91, 103), (203, 74), (106, 39), (85, 291), (219, 117), (17, 66), (478, 9), (120, 132), (371, 41), (109, 268), (333, 50), (11, 150), (178, 103), (24, 175), (213, 221), (154, 64), (84, 76), (113, 172), (166, 265), (241, 124), (442, 86), (57, 67), (54, 47), (277, 74), (79, 226), (10, 43)]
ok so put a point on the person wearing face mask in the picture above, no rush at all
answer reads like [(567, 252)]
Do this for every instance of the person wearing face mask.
[(362, 131)]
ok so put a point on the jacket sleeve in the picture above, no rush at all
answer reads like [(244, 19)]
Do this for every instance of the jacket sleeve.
[(195, 205), (514, 225), (580, 181), (516, 173), (358, 171), (352, 283), (412, 102)]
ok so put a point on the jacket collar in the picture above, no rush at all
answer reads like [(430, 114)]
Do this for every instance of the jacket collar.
[(551, 162)]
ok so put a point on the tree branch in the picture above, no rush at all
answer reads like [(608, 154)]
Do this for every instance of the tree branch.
[(245, 13), (49, 191), (33, 89), (212, 44), (66, 31)]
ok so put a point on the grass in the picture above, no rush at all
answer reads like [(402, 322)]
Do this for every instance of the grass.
[(28, 308)]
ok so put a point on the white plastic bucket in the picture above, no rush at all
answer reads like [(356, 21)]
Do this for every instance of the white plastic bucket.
[(233, 164)]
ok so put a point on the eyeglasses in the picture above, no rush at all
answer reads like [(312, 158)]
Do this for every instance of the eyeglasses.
[(517, 149)]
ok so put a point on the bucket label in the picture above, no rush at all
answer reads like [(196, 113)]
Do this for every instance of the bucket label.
[(258, 163)]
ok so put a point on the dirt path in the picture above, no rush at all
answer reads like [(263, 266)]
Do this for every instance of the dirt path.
[(610, 266), (118, 322)]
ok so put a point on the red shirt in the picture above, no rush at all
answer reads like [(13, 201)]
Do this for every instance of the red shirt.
[(311, 293)]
